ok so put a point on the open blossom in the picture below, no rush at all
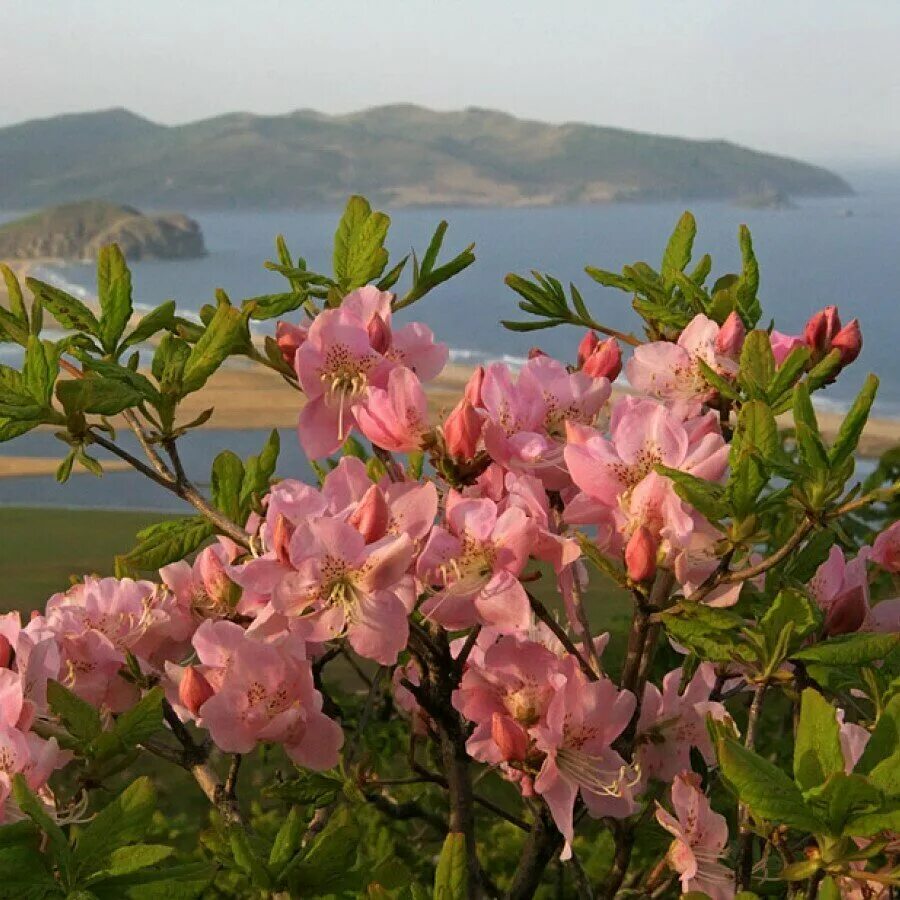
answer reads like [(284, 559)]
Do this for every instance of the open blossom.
[(395, 418), (671, 371), (262, 691), (841, 589), (886, 549), (672, 723), (347, 352), (473, 565), (526, 418), (340, 585), (700, 839), (203, 588), (576, 735)]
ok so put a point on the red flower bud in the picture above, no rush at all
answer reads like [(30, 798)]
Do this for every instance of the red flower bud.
[(847, 613), (849, 341), (6, 652), (371, 516), (730, 338), (510, 738), (462, 430), (586, 347), (379, 334), (289, 338), (640, 555), (472, 392), (821, 329), (605, 361), (194, 690)]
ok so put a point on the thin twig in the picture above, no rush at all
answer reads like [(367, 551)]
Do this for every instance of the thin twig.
[(745, 852), (544, 615)]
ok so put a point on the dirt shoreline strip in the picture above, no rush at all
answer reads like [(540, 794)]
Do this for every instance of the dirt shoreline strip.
[(248, 397)]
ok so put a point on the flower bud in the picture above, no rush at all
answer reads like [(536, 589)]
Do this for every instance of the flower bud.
[(281, 539), (849, 341), (605, 361), (194, 690), (586, 347), (730, 339), (6, 652), (510, 738), (215, 581), (371, 516), (821, 329), (472, 392), (379, 334), (289, 339), (640, 555), (462, 430)]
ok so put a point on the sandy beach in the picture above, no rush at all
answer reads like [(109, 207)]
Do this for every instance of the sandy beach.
[(250, 397)]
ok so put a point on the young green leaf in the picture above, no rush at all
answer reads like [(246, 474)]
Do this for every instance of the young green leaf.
[(817, 748), (82, 720), (166, 542), (851, 429), (678, 251), (214, 347), (161, 317), (114, 293), (103, 396), (850, 649), (451, 879), (69, 311), (359, 253)]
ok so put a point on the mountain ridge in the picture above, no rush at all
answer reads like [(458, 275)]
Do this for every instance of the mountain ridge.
[(398, 154)]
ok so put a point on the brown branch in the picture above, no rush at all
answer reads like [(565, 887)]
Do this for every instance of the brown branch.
[(745, 852), (543, 842), (543, 614), (587, 636)]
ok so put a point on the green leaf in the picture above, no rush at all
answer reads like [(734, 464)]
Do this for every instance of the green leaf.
[(359, 253), (35, 810), (24, 875), (755, 438), (757, 366), (788, 372), (69, 311), (247, 860), (161, 317), (749, 283), (886, 819), (214, 347), (609, 279), (706, 497), (182, 882), (166, 542), (451, 879), (125, 860), (328, 862), (806, 427), (711, 633), (14, 293), (144, 719), (844, 797), (114, 293), (40, 369), (817, 749), (885, 737), (851, 429), (309, 788), (259, 470), (226, 482), (122, 821), (678, 251), (789, 610), (717, 381), (102, 396), (886, 774), (271, 306), (766, 790), (287, 841), (850, 649), (82, 720)]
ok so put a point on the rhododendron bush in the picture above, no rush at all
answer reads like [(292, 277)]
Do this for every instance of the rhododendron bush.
[(391, 682)]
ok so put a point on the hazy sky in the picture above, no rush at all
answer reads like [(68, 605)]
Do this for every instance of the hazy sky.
[(815, 78)]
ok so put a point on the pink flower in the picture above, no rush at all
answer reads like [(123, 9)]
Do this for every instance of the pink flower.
[(783, 344), (841, 589), (289, 339), (672, 723), (527, 418), (824, 333), (204, 588), (263, 692), (671, 371), (600, 359), (349, 351), (474, 564), (31, 756), (582, 721), (730, 339), (396, 418), (700, 839), (886, 549), (462, 430), (341, 585), (505, 695), (640, 555)]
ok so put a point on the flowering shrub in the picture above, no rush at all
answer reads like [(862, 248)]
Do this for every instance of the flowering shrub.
[(738, 734)]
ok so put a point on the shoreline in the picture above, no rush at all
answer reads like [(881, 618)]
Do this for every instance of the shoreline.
[(252, 398)]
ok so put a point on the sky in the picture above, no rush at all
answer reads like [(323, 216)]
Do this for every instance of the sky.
[(818, 79)]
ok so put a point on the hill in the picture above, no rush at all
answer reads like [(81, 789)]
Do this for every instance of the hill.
[(399, 155), (78, 230)]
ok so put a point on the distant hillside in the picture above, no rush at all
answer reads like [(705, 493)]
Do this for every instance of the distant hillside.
[(78, 230), (399, 155)]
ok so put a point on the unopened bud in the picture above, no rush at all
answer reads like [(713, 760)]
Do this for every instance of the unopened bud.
[(586, 347), (194, 690), (213, 576), (281, 539), (605, 361), (379, 334), (730, 338), (371, 516), (510, 738), (472, 392), (462, 430), (849, 341), (821, 329), (847, 613), (289, 339), (640, 555), (6, 652)]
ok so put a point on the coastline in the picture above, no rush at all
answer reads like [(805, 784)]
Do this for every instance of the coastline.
[(245, 397)]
